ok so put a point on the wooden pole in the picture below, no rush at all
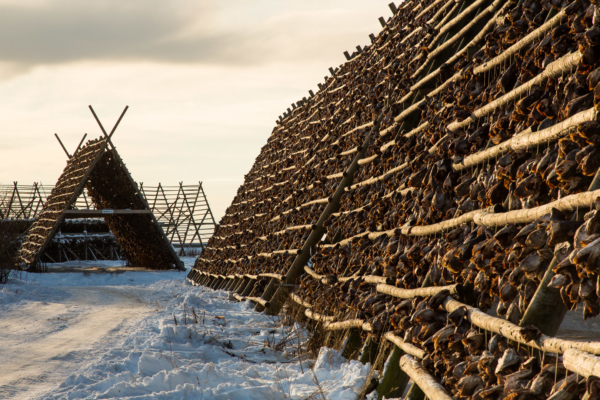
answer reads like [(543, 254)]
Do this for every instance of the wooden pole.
[(245, 282), (268, 293), (546, 310), (582, 363), (422, 378), (354, 344), (62, 145), (394, 380), (249, 287), (80, 143), (369, 350)]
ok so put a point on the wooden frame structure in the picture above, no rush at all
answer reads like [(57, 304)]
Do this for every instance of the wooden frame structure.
[(184, 213), (98, 167), (183, 210)]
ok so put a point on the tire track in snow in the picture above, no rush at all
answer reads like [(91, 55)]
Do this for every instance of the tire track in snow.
[(42, 343)]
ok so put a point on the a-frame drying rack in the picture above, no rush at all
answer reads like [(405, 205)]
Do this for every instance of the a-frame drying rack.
[(98, 167)]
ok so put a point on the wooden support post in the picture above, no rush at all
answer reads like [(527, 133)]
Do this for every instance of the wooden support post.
[(382, 22), (220, 283), (232, 283), (546, 309), (267, 294), (393, 382), (243, 285), (236, 283), (215, 283), (414, 393), (354, 344), (226, 284), (297, 267), (393, 7), (74, 255), (239, 283), (249, 288), (369, 350)]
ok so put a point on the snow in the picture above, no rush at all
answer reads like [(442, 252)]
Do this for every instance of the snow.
[(142, 335)]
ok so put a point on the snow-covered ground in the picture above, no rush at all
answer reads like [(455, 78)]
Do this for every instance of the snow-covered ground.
[(142, 335)]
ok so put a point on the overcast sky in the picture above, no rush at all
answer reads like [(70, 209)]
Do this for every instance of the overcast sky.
[(205, 80)]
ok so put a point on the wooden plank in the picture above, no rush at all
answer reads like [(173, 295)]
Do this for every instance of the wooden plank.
[(102, 213)]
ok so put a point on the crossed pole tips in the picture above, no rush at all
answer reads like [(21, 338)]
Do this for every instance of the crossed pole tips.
[(113, 129), (108, 136)]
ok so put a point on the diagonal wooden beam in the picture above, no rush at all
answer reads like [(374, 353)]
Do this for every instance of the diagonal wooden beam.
[(80, 143), (62, 145)]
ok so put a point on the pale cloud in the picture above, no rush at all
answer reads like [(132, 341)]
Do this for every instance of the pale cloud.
[(178, 31)]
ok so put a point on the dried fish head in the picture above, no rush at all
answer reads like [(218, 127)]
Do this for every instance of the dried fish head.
[(510, 360)]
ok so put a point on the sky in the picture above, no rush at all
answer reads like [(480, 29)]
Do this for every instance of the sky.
[(204, 80)]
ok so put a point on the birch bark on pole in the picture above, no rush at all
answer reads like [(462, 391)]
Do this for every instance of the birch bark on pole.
[(582, 363), (412, 293), (406, 348), (559, 67), (297, 267), (432, 389), (521, 44)]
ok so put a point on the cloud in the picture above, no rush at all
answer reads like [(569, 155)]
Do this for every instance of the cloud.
[(72, 30), (175, 31)]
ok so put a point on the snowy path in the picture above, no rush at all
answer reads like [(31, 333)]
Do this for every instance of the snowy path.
[(45, 342), (151, 335)]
